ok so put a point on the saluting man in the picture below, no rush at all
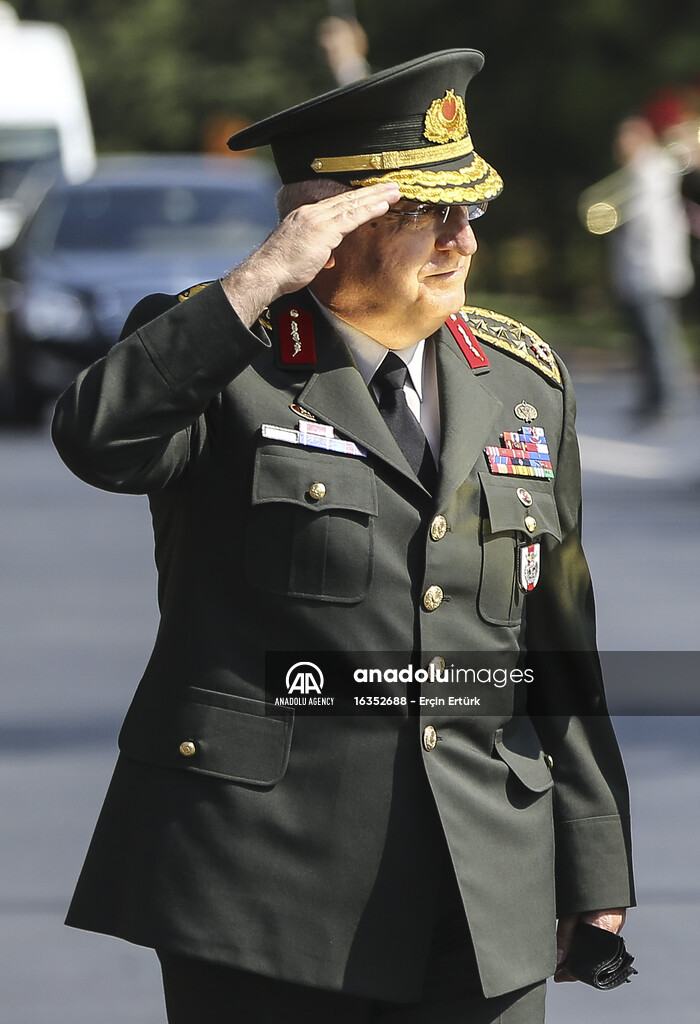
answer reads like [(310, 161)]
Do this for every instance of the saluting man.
[(340, 456)]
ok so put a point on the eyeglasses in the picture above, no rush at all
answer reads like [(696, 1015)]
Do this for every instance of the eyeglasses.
[(422, 214)]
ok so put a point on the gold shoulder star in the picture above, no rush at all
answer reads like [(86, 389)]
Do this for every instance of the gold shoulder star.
[(514, 338)]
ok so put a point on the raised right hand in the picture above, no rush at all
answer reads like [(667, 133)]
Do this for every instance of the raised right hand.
[(301, 246)]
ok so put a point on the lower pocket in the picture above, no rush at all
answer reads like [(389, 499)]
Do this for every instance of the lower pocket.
[(212, 733), (518, 745)]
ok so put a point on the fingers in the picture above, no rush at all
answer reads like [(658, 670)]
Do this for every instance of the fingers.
[(565, 933), (350, 209), (385, 191), (331, 220), (304, 243)]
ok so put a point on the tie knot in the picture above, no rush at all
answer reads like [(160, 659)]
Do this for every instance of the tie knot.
[(392, 372)]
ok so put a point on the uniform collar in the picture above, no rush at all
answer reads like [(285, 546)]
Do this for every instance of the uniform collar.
[(369, 354)]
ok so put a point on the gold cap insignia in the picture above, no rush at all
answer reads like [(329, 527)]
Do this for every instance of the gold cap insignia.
[(446, 119)]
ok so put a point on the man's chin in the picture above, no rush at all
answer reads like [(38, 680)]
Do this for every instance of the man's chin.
[(449, 297)]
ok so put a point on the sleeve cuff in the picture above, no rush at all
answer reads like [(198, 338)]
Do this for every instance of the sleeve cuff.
[(201, 343), (593, 865)]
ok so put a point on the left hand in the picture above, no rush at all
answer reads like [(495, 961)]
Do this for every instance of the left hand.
[(610, 920)]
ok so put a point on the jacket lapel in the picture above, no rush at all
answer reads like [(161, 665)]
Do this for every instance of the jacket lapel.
[(468, 410), (336, 394)]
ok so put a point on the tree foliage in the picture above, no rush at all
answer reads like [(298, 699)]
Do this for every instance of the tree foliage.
[(558, 76)]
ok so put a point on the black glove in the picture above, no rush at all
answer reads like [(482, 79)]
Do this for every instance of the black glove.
[(598, 957)]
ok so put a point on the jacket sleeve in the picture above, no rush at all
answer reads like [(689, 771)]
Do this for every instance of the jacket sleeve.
[(568, 707), (127, 423)]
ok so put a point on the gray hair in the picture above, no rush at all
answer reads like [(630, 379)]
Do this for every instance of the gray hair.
[(300, 193)]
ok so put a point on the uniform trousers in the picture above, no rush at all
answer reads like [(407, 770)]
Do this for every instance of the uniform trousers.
[(661, 356), (209, 993)]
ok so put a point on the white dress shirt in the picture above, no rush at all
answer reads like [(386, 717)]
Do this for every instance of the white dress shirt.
[(421, 387)]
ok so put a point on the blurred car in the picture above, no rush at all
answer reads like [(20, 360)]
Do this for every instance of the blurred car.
[(141, 224)]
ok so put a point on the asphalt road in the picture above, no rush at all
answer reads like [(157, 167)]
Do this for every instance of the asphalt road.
[(77, 618)]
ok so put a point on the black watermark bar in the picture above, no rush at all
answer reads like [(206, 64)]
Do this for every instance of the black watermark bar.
[(474, 683)]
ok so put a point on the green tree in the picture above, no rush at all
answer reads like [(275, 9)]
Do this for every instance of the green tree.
[(558, 76)]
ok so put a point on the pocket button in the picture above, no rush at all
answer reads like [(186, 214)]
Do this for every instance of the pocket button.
[(317, 491)]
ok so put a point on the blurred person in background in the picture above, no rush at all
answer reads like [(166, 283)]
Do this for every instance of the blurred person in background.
[(344, 44), (650, 267), (341, 456)]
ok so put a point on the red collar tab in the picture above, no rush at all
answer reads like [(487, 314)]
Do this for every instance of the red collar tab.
[(471, 349), (297, 340)]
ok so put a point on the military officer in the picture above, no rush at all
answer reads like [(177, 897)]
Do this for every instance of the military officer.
[(341, 457)]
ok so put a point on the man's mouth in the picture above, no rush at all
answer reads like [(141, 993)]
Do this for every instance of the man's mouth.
[(448, 272)]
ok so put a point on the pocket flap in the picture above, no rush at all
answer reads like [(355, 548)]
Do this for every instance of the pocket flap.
[(507, 512), (518, 745), (214, 733), (288, 474)]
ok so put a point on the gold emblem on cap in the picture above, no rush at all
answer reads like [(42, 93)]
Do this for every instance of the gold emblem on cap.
[(446, 119), (525, 411)]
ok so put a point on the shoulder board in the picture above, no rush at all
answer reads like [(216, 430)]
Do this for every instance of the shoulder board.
[(189, 292), (514, 338)]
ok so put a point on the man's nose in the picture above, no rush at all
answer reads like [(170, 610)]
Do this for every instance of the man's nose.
[(457, 233)]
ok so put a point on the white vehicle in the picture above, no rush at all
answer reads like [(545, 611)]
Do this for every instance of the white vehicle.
[(45, 129)]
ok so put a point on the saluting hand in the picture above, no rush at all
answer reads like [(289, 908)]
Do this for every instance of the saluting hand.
[(301, 246)]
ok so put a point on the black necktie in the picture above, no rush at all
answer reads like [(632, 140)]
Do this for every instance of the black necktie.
[(389, 380)]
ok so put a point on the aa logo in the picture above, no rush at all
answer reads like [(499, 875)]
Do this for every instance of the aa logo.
[(304, 678)]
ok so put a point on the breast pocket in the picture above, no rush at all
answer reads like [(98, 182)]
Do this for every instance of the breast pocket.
[(311, 525), (503, 530)]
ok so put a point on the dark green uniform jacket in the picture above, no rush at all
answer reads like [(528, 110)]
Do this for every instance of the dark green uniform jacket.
[(307, 848)]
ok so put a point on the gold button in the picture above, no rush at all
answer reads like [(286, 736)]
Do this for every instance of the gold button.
[(187, 749), (438, 663), (524, 496), (438, 528), (317, 491), (433, 598), (429, 737), (530, 524), (549, 761)]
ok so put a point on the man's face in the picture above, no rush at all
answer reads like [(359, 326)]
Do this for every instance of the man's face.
[(398, 278)]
